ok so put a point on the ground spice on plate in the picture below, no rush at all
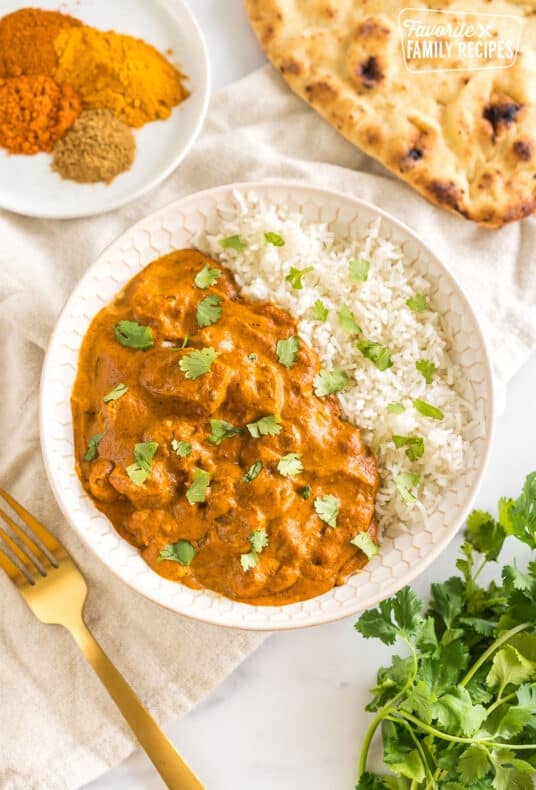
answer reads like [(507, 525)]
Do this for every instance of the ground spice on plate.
[(35, 112), (97, 148), (120, 73), (27, 41)]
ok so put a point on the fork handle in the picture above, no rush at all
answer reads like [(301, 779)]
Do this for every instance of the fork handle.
[(172, 768)]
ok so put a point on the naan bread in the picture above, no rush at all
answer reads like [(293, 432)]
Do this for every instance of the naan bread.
[(466, 140)]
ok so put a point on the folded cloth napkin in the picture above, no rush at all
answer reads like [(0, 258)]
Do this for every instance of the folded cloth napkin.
[(58, 728)]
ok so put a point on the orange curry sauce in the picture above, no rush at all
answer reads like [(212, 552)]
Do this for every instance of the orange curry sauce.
[(304, 555)]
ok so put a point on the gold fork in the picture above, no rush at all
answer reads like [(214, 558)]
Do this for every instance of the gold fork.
[(55, 590)]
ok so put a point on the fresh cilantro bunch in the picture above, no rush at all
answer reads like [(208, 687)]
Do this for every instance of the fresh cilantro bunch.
[(459, 713)]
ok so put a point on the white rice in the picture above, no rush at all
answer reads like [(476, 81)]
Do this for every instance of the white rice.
[(379, 305)]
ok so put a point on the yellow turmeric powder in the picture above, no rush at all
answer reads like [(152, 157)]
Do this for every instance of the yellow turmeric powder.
[(120, 73)]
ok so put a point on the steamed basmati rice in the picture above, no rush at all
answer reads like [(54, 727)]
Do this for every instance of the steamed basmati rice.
[(379, 305)]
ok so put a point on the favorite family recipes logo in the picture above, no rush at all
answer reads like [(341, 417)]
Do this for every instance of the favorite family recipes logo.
[(458, 40)]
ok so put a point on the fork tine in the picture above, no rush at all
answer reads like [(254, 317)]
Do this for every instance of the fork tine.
[(12, 565), (20, 544), (45, 541), (18, 549)]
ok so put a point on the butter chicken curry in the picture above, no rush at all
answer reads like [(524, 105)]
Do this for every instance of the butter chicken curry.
[(199, 434)]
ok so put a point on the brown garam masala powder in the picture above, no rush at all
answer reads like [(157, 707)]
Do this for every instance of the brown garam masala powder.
[(74, 90), (97, 148)]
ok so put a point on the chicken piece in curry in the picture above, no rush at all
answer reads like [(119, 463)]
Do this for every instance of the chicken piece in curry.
[(199, 434)]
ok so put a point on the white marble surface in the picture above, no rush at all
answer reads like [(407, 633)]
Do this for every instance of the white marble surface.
[(291, 717)]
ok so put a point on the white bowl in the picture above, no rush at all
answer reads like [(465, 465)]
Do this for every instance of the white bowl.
[(404, 555), (27, 183)]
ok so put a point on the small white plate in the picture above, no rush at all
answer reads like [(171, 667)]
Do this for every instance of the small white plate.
[(28, 185), (404, 554)]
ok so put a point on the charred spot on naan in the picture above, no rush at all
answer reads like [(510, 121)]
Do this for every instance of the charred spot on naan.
[(370, 73), (486, 181), (501, 113), (520, 211), (414, 155), (523, 149), (448, 194), (321, 91), (374, 29), (291, 66), (366, 55)]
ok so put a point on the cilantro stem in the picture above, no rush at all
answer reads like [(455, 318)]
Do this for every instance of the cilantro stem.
[(479, 570), (500, 700), (491, 650), (369, 735), (455, 739), (384, 712), (418, 746)]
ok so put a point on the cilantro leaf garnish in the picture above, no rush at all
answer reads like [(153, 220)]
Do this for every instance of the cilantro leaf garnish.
[(182, 552), (473, 764), (320, 311), (248, 561), (134, 335), (206, 277), (258, 540), (378, 354), (287, 351), (197, 491), (509, 666), (426, 368), (182, 449), (270, 425), (456, 712), (395, 408), (418, 303), (397, 617), (427, 410), (364, 542), (459, 712), (405, 481), (117, 392), (144, 453), (305, 492), (274, 238), (327, 508), (519, 517), (329, 382), (197, 362), (295, 277), (290, 465), (233, 243), (220, 430), (414, 445), (486, 535), (93, 443), (209, 310), (253, 472), (359, 270), (137, 474), (347, 321)]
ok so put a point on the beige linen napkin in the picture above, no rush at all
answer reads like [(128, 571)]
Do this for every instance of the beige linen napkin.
[(58, 729)]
